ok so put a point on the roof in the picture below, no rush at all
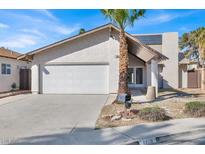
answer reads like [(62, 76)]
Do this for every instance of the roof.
[(149, 39), (186, 61), (149, 49), (8, 53)]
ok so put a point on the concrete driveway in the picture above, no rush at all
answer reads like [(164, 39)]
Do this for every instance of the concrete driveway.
[(35, 115)]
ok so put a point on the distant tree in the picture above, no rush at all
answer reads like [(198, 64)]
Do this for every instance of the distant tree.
[(187, 45), (81, 31)]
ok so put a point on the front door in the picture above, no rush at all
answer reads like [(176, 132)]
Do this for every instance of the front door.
[(25, 79)]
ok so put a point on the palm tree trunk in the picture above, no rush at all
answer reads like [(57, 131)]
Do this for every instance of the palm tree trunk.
[(123, 64)]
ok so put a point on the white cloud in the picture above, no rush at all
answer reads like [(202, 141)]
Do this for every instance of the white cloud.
[(50, 25), (161, 18), (19, 41), (4, 26), (24, 18), (184, 29), (164, 17), (66, 30), (33, 31), (48, 14)]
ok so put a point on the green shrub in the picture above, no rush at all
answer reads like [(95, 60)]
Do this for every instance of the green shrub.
[(196, 109), (153, 114)]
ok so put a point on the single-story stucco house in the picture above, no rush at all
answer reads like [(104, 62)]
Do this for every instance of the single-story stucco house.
[(10, 69), (89, 63)]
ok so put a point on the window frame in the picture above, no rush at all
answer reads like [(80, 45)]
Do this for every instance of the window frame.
[(5, 69)]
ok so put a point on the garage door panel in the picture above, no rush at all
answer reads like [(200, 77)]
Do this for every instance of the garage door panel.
[(75, 79)]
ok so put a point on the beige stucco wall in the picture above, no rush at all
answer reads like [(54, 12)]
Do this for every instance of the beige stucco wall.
[(99, 47), (183, 76), (8, 79), (94, 48), (90, 48), (157, 47), (133, 61), (170, 70), (114, 61), (103, 47)]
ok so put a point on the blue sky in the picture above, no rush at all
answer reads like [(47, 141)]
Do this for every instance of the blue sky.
[(26, 30)]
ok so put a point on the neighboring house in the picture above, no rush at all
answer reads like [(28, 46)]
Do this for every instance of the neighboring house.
[(189, 71), (89, 63), (9, 67)]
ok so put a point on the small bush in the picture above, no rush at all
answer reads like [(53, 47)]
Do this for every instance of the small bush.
[(196, 109), (153, 114)]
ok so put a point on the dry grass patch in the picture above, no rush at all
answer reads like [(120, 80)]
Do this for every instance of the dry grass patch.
[(153, 114), (173, 108), (195, 109)]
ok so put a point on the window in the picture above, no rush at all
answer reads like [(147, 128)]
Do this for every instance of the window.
[(139, 76), (130, 75), (5, 69)]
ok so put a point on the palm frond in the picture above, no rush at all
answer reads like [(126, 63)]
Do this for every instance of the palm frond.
[(123, 17)]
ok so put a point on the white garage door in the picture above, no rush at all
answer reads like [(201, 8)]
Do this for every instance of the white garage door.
[(75, 79)]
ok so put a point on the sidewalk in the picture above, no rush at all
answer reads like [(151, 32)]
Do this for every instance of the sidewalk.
[(122, 135)]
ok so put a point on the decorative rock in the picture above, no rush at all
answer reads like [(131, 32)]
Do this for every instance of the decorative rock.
[(116, 117)]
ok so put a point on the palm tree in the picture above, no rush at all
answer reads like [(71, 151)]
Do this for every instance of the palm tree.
[(81, 31), (187, 45), (198, 39), (123, 18)]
